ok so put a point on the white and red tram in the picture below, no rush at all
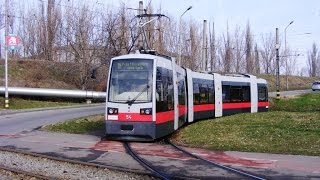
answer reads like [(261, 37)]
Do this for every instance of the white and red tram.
[(150, 96)]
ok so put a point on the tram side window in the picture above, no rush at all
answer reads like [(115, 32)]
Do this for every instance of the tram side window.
[(226, 93), (246, 94), (181, 89), (203, 91), (164, 90), (262, 93), (196, 93), (235, 93), (204, 98)]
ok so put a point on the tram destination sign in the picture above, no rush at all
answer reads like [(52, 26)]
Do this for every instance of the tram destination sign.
[(133, 65)]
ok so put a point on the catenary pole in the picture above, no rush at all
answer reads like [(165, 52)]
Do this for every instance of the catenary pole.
[(277, 69), (6, 101), (140, 39), (204, 48)]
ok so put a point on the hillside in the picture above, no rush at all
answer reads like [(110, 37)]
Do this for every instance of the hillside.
[(294, 82), (44, 74)]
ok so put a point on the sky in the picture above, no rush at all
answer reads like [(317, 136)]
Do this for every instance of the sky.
[(264, 17)]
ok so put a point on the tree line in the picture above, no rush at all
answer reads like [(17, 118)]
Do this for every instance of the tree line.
[(88, 35)]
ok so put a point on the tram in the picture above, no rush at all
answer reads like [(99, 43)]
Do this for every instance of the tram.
[(149, 96)]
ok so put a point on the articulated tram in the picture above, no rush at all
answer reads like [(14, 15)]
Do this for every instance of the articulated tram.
[(150, 96)]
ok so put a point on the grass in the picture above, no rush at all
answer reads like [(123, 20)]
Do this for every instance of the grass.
[(87, 125), (272, 132), (292, 126), (18, 103), (303, 103)]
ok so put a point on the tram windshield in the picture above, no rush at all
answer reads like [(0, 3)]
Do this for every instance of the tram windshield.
[(131, 81)]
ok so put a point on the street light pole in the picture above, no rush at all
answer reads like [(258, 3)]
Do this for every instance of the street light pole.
[(179, 45), (6, 101), (285, 50)]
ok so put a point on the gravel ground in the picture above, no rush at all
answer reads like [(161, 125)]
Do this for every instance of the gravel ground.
[(7, 175), (59, 170)]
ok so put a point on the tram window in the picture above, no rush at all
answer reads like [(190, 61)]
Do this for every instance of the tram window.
[(131, 79), (262, 93), (226, 93), (211, 93), (235, 93), (204, 94), (203, 91), (246, 94), (164, 90), (196, 93), (181, 89)]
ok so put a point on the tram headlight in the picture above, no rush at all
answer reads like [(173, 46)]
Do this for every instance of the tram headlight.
[(146, 111), (112, 110)]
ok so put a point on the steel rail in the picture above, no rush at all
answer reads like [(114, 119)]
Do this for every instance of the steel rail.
[(76, 162), (145, 163), (236, 171), (18, 171)]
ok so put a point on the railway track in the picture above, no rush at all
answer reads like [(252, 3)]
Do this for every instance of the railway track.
[(45, 167), (30, 175), (145, 163), (166, 176), (158, 171), (230, 169)]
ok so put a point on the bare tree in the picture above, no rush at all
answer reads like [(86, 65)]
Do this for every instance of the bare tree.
[(226, 51), (124, 28), (256, 59), (2, 14), (239, 51), (52, 24), (194, 63), (292, 61), (212, 51), (249, 43), (313, 59), (268, 53)]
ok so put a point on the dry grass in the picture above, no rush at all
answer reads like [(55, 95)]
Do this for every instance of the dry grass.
[(294, 82)]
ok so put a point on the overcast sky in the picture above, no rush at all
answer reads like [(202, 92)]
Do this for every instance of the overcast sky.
[(264, 16)]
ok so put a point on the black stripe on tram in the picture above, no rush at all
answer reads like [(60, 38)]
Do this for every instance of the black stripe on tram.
[(145, 164), (240, 172)]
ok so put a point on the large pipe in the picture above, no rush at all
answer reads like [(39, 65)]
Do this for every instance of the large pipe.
[(54, 92)]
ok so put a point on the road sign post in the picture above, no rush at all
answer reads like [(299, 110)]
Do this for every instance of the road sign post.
[(12, 43)]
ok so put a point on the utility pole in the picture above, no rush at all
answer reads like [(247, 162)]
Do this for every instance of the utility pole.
[(205, 47), (285, 51), (277, 69), (140, 39), (179, 36), (160, 38), (6, 101)]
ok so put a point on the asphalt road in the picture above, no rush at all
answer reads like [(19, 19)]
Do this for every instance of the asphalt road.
[(14, 123)]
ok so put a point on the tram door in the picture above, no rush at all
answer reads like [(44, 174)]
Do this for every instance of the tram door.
[(182, 98)]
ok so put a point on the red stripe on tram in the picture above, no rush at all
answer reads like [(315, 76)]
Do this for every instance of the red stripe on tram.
[(163, 117), (203, 107), (263, 104), (236, 105), (136, 117)]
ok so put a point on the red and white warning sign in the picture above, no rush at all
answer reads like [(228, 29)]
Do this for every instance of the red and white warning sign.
[(12, 40)]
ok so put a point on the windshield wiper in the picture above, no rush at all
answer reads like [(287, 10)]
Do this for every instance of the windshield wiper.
[(130, 102)]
